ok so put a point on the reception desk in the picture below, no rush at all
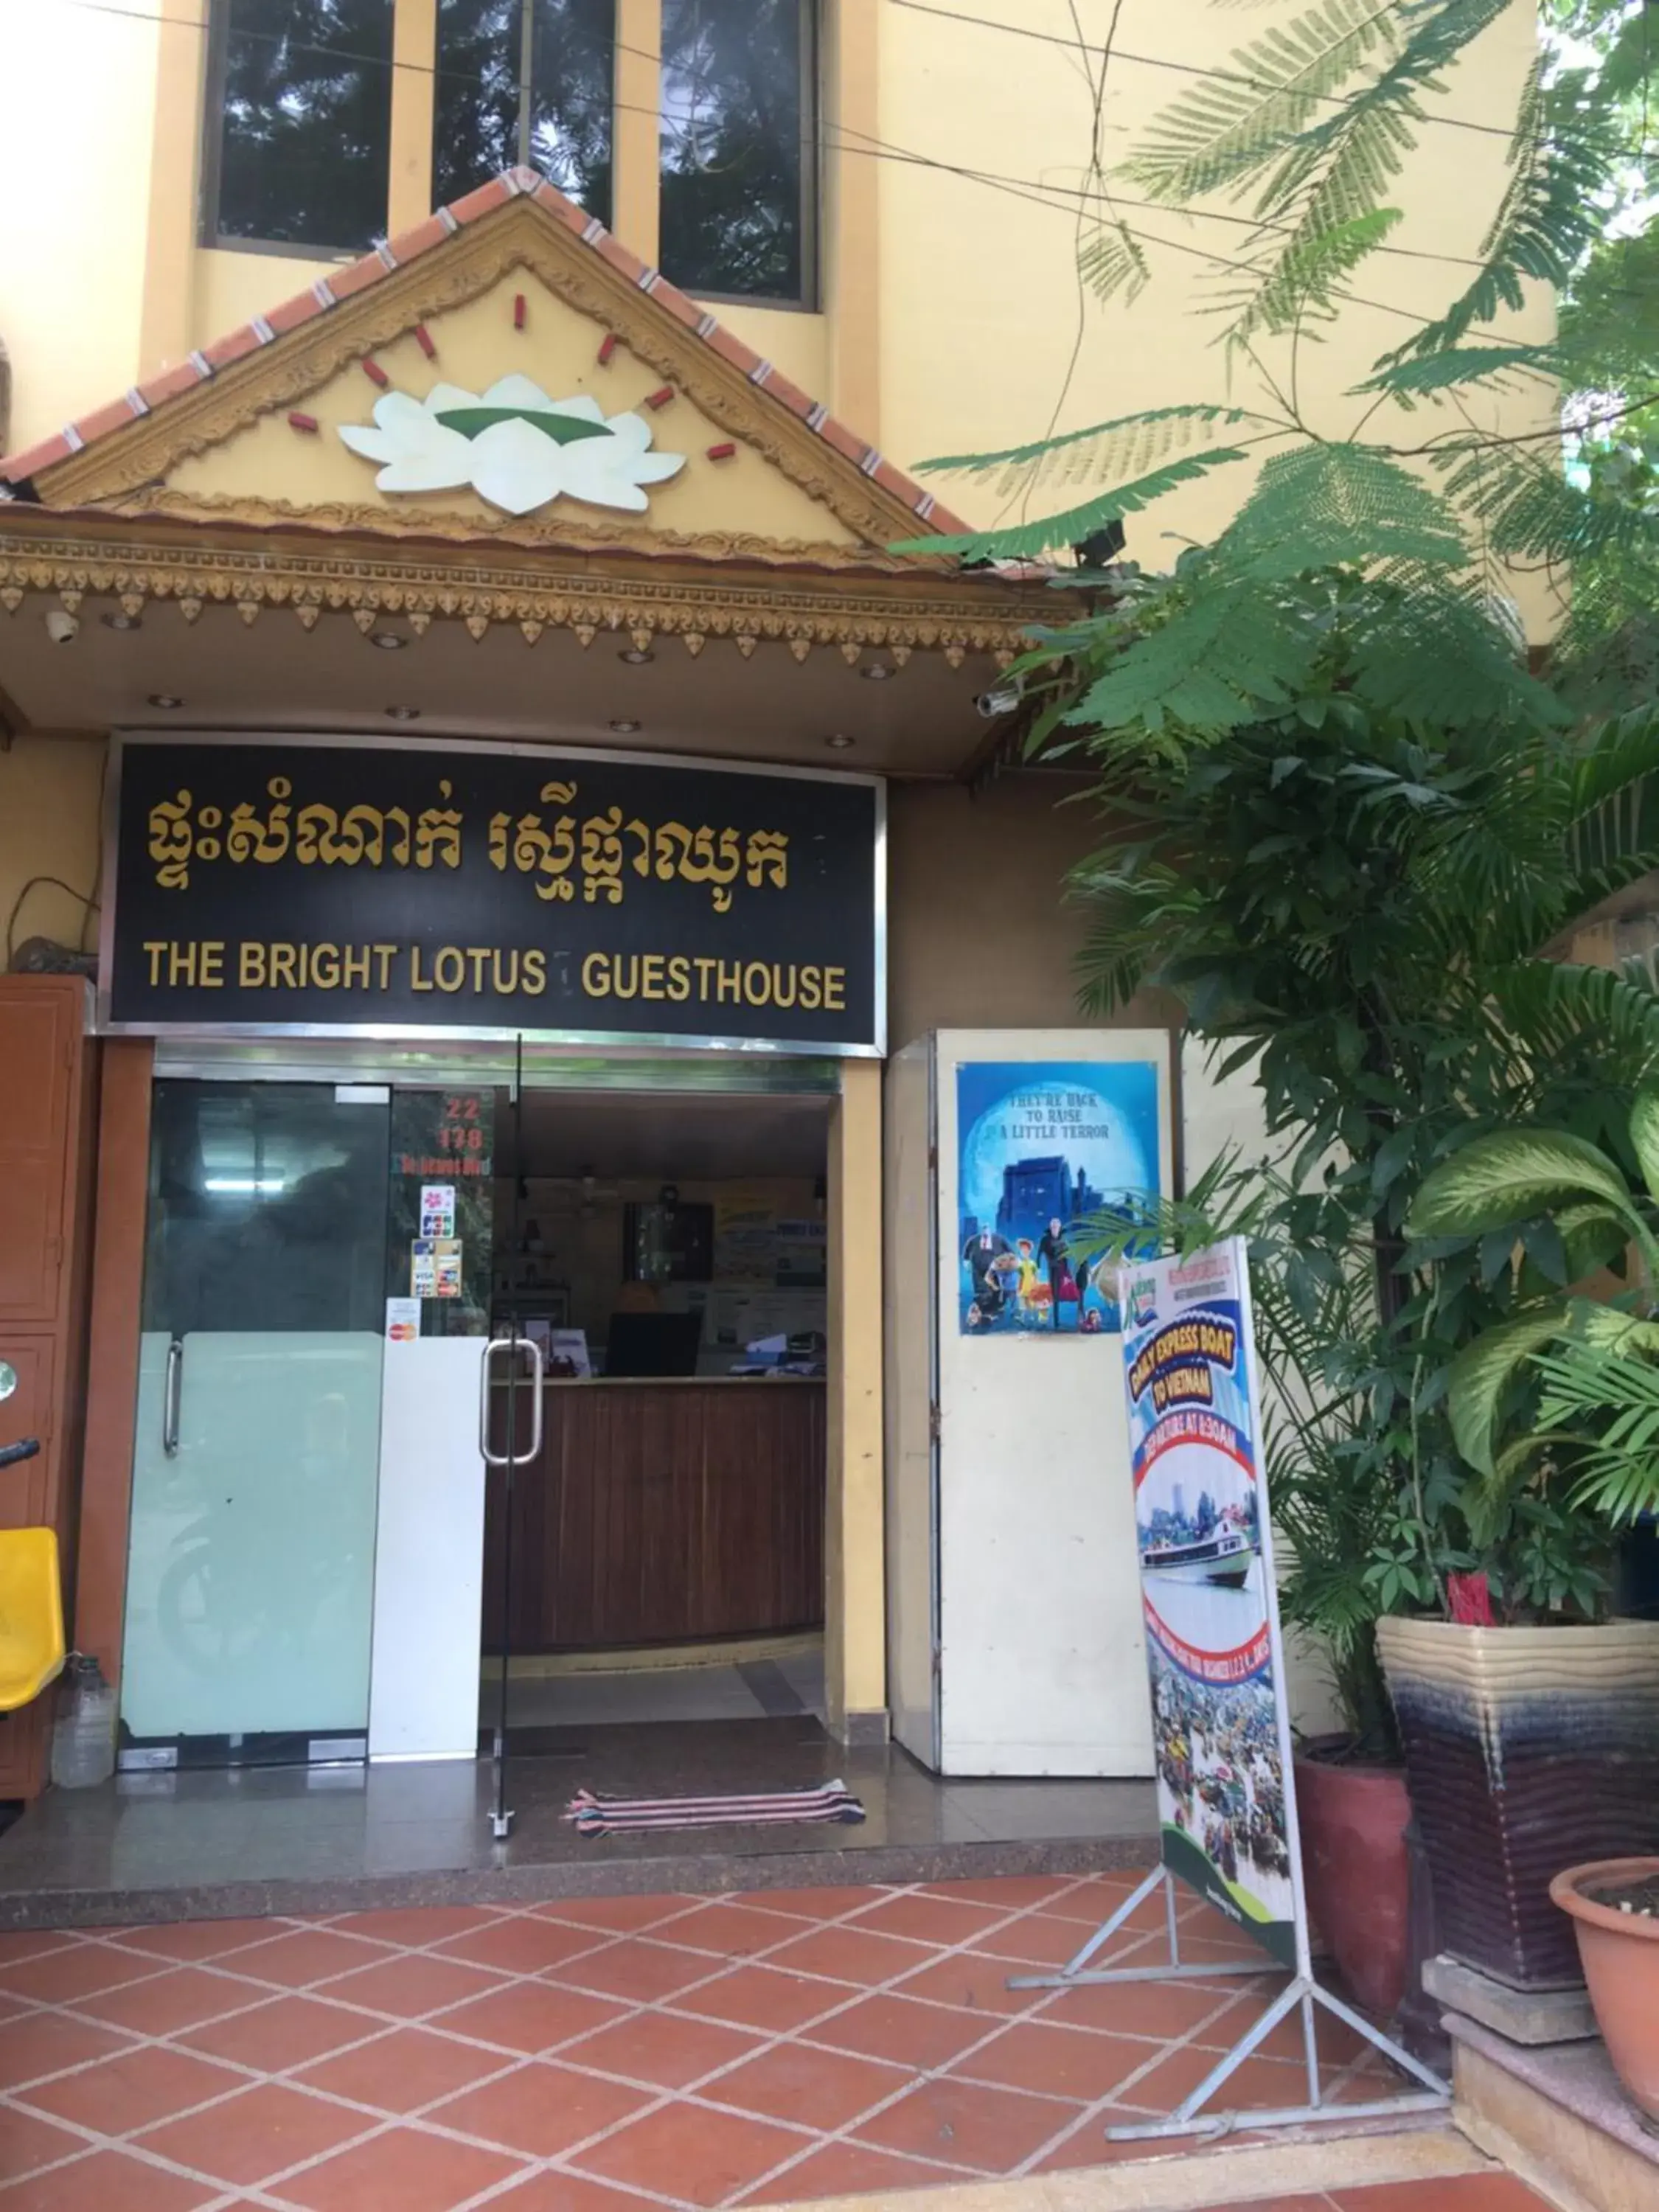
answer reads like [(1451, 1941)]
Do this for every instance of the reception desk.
[(662, 1511)]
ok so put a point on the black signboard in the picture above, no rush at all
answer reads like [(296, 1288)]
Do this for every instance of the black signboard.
[(281, 885)]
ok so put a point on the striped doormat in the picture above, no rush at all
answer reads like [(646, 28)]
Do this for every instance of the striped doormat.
[(625, 1816)]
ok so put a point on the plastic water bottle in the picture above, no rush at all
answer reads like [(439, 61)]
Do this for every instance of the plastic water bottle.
[(83, 1735)]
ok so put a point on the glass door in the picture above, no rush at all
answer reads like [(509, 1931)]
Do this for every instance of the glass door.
[(250, 1567)]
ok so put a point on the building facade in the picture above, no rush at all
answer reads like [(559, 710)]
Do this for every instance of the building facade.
[(456, 669)]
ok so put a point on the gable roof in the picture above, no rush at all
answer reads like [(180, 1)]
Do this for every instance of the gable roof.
[(879, 494)]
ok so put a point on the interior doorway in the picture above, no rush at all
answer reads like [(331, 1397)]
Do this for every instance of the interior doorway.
[(666, 1253)]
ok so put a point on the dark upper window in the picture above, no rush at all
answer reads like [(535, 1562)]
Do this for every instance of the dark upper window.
[(525, 82), (738, 147), (301, 154), (300, 108)]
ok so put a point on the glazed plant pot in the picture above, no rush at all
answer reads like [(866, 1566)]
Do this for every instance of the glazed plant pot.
[(1620, 1954), (1527, 1749), (1355, 1869)]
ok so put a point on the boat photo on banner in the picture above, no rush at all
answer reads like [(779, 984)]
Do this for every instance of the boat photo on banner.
[(1213, 1648)]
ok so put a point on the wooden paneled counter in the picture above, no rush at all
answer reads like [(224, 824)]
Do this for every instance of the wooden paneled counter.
[(660, 1511)]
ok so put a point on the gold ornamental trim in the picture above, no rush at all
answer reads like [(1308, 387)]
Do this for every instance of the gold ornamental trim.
[(902, 613), (543, 534)]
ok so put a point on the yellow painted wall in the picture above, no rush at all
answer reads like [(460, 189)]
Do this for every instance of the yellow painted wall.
[(48, 826), (981, 303), (965, 339), (75, 144), (980, 934)]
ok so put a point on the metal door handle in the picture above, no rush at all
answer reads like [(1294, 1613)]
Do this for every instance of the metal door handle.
[(171, 1396), (537, 1370), (512, 1346)]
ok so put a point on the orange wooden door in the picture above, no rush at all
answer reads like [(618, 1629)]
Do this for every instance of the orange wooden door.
[(39, 1041)]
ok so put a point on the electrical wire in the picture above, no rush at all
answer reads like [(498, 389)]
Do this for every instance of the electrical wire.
[(88, 905), (874, 148)]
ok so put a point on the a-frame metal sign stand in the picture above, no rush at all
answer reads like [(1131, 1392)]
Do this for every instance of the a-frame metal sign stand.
[(1189, 1353)]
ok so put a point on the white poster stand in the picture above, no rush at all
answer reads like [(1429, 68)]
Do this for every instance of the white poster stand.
[(1226, 1787)]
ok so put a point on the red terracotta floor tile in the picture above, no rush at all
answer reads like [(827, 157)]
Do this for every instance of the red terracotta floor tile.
[(660, 2048), (417, 1926), (1268, 2084), (541, 2109), (104, 2180), (403, 2069), (148, 2083), (258, 2132), (823, 2089), (947, 1921), (26, 2143), (1055, 2062), (296, 1959), (1161, 2011), (1013, 1893), (904, 2031), (681, 2150), (761, 1996), (966, 1979), (964, 2123), (410, 1985), (185, 1941), (404, 2170), (614, 1916), (730, 1931), (848, 2169), (846, 1954), (552, 2192), (524, 1944), (282, 2033), (64, 1978), (1464, 2193), (1036, 1940), (179, 1998), (41, 2044), (1087, 2145), (639, 1972), (526, 2017), (831, 1902), (34, 1942)]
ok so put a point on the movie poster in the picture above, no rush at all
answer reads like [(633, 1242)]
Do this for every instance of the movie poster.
[(1220, 1733), (1041, 1148)]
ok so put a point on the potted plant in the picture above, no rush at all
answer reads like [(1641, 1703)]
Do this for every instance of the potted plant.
[(1614, 1908), (1530, 1720)]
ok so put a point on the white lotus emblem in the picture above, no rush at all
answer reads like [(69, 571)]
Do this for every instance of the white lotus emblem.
[(515, 446)]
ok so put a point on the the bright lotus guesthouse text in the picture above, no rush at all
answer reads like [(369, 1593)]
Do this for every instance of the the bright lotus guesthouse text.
[(304, 883)]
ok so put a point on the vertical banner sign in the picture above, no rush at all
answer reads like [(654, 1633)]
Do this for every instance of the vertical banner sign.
[(1042, 1146), (1220, 1724)]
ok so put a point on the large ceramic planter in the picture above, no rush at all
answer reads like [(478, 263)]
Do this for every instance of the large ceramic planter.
[(1620, 1954), (1527, 1750), (1356, 1871)]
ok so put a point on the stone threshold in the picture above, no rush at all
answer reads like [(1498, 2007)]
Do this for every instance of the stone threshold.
[(1186, 2180), (1556, 2114), (706, 1870)]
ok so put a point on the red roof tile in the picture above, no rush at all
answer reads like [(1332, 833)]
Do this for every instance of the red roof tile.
[(425, 238)]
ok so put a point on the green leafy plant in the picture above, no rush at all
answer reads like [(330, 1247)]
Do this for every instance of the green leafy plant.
[(1559, 1400)]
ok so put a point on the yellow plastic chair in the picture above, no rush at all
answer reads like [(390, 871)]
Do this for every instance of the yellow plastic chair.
[(32, 1646)]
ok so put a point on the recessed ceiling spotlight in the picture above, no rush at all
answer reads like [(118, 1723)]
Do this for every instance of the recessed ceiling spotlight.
[(624, 729), (119, 621), (636, 656), (164, 699), (838, 741), (388, 640), (878, 671), (404, 713)]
